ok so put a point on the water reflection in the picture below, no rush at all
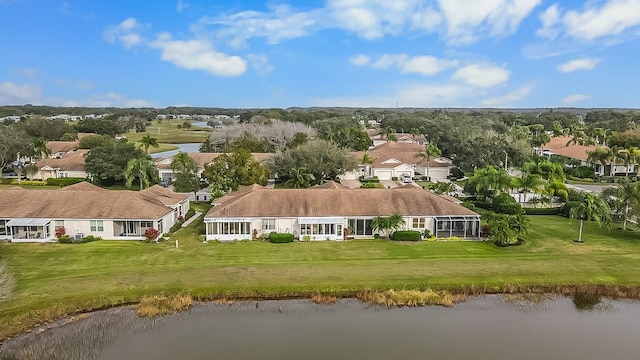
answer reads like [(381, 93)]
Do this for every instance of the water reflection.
[(550, 328)]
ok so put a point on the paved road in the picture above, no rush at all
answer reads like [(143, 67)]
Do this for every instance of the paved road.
[(596, 189)]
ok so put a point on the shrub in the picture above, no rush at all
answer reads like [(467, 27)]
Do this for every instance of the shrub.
[(456, 173), (190, 213), (408, 235), (484, 230), (180, 218), (175, 227), (280, 238), (566, 209), (482, 205), (65, 239), (161, 305), (368, 185), (427, 234), (202, 228), (376, 236), (542, 211), (394, 178), (64, 181), (29, 182), (369, 180), (151, 234), (506, 204)]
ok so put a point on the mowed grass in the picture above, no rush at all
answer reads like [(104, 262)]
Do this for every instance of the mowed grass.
[(167, 132), (56, 279)]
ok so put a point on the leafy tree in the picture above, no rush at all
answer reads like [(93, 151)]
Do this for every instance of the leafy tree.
[(353, 138), (600, 155), (147, 141), (529, 183), (367, 161), (13, 141), (323, 159), (47, 129), (110, 126), (142, 168), (182, 162), (491, 181), (40, 148), (431, 151), (387, 225), (108, 162), (298, 178), (228, 171), (591, 208), (186, 170), (31, 170), (186, 125)]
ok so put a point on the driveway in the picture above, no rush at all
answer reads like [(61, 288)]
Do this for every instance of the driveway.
[(351, 184), (388, 184)]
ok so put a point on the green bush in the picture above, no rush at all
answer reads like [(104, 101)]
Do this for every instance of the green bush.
[(376, 236), (64, 181), (566, 209), (482, 205), (394, 178), (29, 182), (368, 185), (280, 238), (202, 228), (506, 204), (427, 234), (408, 235), (190, 213), (542, 211), (175, 227), (65, 239), (369, 180)]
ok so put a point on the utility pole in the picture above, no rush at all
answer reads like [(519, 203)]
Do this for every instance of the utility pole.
[(506, 158)]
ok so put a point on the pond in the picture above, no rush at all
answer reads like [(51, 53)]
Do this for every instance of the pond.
[(188, 147), (489, 327)]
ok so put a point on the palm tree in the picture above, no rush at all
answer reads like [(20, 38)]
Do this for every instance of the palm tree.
[(367, 161), (147, 141), (183, 163), (500, 230), (520, 224), (40, 148), (600, 155), (628, 155), (142, 168), (528, 183), (623, 198), (299, 178), (431, 151), (387, 225), (491, 180), (591, 208)]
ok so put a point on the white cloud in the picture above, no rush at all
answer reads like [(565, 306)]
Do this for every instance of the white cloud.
[(549, 18), (421, 95), (578, 64), (600, 19), (425, 65), (110, 99), (260, 64), (14, 94), (510, 98), (575, 98), (181, 6), (360, 60), (198, 54), (467, 19), (482, 75), (124, 33)]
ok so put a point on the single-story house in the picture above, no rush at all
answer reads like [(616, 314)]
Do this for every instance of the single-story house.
[(58, 149), (323, 213), (395, 160), (84, 209), (70, 164), (202, 159), (557, 146)]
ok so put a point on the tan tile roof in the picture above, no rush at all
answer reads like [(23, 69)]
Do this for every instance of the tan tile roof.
[(406, 201), (84, 135), (557, 142), (329, 185), (80, 202), (453, 199), (579, 152), (82, 186), (405, 153), (164, 195), (61, 146), (73, 161)]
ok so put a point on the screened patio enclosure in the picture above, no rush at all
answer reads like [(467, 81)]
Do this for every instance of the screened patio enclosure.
[(467, 227), (29, 229)]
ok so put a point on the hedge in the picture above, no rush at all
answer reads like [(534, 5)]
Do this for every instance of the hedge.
[(369, 180), (543, 211), (280, 238), (64, 181), (409, 235), (482, 204), (29, 182)]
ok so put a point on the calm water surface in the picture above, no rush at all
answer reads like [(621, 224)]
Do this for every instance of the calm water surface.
[(187, 147), (482, 328)]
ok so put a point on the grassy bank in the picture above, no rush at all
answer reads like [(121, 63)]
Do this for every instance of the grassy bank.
[(56, 279), (167, 132)]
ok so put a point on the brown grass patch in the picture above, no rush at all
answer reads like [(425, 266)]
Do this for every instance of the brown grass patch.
[(223, 301), (324, 299), (7, 283), (410, 298), (162, 305)]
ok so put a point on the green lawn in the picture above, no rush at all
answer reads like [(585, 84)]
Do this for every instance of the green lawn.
[(56, 279), (167, 132)]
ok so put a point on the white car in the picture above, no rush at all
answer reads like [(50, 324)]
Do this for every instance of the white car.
[(406, 179)]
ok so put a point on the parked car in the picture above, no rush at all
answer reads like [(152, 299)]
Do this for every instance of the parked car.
[(406, 179)]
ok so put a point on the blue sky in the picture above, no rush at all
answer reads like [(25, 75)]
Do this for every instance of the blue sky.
[(446, 53)]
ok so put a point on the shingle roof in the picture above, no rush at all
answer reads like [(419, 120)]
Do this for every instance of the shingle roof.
[(73, 161), (580, 152), (403, 152), (81, 201), (203, 159), (314, 202), (82, 186), (61, 146), (164, 195)]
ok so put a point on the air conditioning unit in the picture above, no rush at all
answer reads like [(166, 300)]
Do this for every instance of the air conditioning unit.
[(79, 236)]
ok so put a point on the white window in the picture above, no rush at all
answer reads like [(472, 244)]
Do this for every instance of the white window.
[(229, 228), (419, 223), (146, 224), (58, 224), (63, 175), (268, 224), (96, 226)]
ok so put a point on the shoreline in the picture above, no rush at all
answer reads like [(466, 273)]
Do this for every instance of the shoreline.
[(613, 292)]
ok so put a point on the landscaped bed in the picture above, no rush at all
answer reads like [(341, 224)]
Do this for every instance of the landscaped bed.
[(52, 280)]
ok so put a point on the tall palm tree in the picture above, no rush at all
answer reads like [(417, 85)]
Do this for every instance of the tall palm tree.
[(591, 208), (628, 155), (491, 180), (623, 198), (520, 224), (142, 168), (528, 183), (431, 151), (600, 155), (147, 141), (387, 225), (299, 178), (367, 161), (183, 163)]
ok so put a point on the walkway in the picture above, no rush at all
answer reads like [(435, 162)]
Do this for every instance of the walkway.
[(388, 184), (192, 219)]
